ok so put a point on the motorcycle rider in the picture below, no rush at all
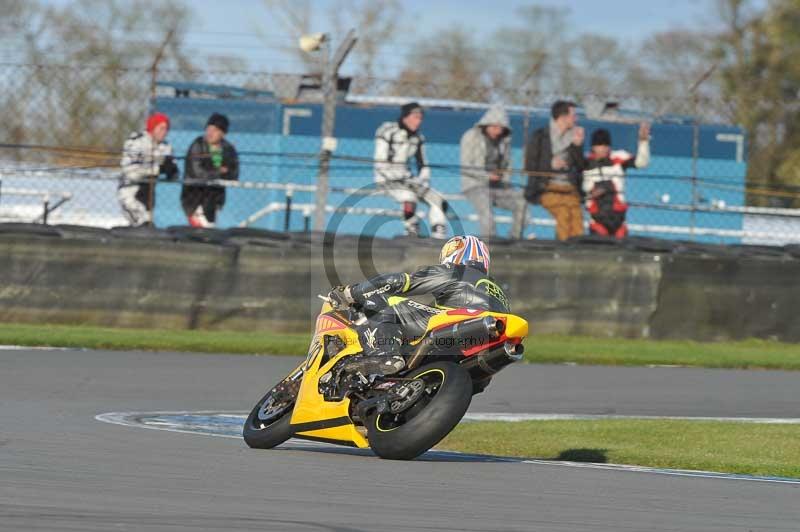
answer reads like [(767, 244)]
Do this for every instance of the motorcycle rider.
[(461, 280)]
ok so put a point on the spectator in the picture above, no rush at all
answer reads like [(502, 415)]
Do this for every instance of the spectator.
[(145, 156), (553, 159), (604, 181), (396, 145), (485, 176), (210, 158)]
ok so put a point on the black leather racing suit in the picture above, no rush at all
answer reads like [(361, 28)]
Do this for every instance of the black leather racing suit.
[(396, 322)]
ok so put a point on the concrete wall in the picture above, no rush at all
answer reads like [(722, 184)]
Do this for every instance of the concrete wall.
[(248, 281)]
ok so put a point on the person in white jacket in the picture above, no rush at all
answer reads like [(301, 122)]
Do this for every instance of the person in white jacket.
[(145, 156), (604, 181), (397, 144)]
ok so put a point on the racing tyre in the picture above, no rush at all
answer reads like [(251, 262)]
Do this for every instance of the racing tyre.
[(403, 436), (267, 426)]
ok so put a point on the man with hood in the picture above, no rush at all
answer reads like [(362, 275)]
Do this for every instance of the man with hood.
[(485, 172)]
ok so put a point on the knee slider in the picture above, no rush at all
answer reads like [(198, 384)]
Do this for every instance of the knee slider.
[(409, 209)]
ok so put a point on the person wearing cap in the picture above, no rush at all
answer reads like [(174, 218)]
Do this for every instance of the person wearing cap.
[(485, 172), (397, 144), (604, 181), (145, 155), (210, 158)]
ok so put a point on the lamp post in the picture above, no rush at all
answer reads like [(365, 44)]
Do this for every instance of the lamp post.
[(330, 76)]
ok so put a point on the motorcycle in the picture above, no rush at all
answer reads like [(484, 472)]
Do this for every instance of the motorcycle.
[(398, 416)]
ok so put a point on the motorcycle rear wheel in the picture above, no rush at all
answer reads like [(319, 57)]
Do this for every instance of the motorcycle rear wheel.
[(267, 426), (409, 434)]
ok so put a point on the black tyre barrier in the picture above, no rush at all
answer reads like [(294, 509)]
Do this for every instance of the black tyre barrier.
[(249, 279), (141, 233), (29, 229)]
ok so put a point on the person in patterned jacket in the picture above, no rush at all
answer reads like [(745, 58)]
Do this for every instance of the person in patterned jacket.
[(145, 156), (604, 181), (397, 144)]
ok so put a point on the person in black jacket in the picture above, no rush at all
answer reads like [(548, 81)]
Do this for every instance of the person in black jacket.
[(210, 158), (553, 160), (460, 280)]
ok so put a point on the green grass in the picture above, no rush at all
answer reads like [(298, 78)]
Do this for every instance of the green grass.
[(748, 448), (748, 354), (153, 339)]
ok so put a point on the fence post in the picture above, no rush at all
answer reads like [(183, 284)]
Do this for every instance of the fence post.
[(151, 180), (287, 215), (330, 77), (696, 141)]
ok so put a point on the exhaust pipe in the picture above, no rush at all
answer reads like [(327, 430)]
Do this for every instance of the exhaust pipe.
[(471, 332), (487, 363)]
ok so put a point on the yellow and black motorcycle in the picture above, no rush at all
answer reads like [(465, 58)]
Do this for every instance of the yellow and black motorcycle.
[(399, 416)]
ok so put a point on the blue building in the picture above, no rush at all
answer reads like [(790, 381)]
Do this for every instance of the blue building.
[(278, 143)]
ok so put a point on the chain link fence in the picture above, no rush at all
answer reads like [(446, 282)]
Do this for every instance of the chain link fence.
[(64, 128)]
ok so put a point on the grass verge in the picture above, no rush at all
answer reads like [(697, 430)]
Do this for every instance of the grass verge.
[(748, 354), (745, 354), (153, 339), (730, 447)]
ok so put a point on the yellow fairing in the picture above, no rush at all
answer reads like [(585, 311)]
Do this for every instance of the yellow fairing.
[(313, 417), (317, 419), (516, 327)]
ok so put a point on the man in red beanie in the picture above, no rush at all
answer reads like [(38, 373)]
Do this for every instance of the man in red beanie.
[(145, 156)]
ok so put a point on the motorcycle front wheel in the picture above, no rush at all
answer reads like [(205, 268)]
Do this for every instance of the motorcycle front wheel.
[(447, 395), (267, 426)]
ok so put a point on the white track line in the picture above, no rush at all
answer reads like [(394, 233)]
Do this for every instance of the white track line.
[(490, 416), (156, 421), (30, 348)]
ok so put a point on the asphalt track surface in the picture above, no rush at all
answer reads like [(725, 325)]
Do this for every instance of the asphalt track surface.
[(60, 469)]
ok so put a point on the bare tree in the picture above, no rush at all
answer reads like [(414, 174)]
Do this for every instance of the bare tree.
[(667, 65), (598, 64), (87, 83), (294, 17), (22, 22), (376, 23), (530, 58), (449, 65)]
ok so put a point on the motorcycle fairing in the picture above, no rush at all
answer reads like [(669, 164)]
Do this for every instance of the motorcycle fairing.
[(315, 419)]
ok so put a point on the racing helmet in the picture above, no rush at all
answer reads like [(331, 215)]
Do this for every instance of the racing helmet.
[(465, 249)]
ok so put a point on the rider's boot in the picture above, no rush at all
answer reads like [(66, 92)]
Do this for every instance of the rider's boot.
[(382, 356)]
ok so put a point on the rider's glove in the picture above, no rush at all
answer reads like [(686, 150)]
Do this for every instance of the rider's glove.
[(340, 297)]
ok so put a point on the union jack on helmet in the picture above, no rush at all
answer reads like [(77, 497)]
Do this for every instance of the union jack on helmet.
[(464, 249)]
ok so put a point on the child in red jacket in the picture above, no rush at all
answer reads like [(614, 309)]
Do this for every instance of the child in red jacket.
[(604, 181)]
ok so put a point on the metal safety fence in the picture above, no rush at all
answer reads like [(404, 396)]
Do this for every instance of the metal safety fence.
[(64, 130)]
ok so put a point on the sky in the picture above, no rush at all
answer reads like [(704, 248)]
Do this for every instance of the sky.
[(248, 29), (630, 20)]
